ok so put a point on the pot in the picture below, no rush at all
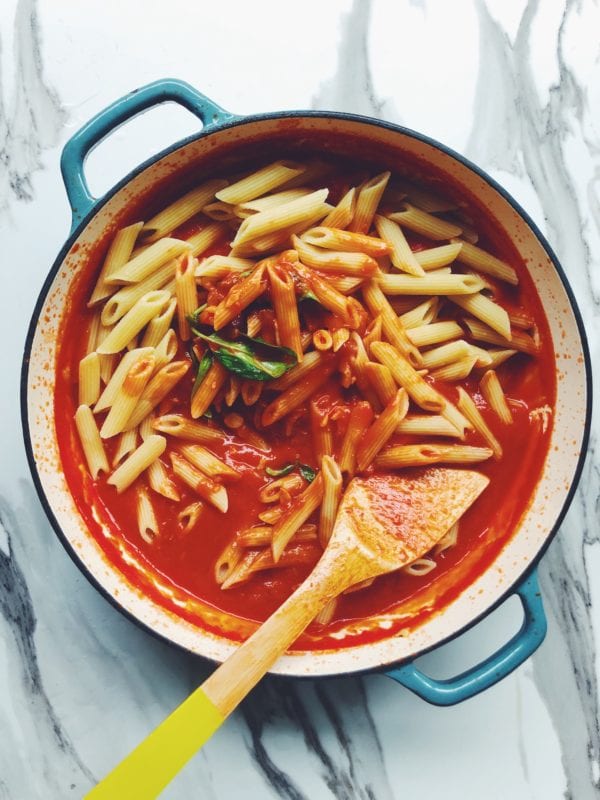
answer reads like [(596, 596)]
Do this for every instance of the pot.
[(513, 570)]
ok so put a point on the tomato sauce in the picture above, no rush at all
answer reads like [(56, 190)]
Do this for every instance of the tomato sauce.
[(176, 569)]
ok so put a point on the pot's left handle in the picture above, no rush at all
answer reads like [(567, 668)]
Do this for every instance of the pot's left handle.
[(81, 143)]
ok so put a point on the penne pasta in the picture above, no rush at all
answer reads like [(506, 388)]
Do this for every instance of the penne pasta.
[(401, 255), (367, 202), (216, 267), (165, 350), (342, 215), (283, 296), (278, 490), (157, 388), (184, 208), (244, 210), (378, 434), (221, 212), (304, 505), (322, 340), (128, 397), (240, 296), (312, 361), (298, 393), (261, 535), (214, 493), (113, 387), (424, 224), (254, 561), (448, 541), (467, 406), (428, 425), (147, 307), (393, 328), (280, 217), (159, 325), (327, 296), (89, 379), (494, 394), (182, 428), (146, 262), (208, 389), (123, 300), (207, 462), (436, 257), (422, 314), (335, 239), (185, 292), (416, 455), (137, 462), (146, 518), (322, 436), (429, 284), (207, 237), (456, 371), (188, 517), (127, 444), (498, 357), (117, 256), (332, 494), (435, 333), (485, 262), (227, 561), (260, 182), (487, 311), (91, 443), (446, 354), (519, 340), (403, 373), (160, 482), (381, 381), (420, 567), (334, 262), (251, 392)]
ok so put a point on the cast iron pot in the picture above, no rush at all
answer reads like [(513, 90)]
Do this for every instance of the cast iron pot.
[(512, 572)]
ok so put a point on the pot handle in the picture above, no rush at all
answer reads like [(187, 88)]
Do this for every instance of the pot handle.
[(81, 143), (450, 691)]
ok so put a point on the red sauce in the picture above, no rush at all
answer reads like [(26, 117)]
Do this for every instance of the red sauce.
[(184, 562)]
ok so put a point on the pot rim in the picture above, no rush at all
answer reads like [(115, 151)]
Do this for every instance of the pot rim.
[(237, 121)]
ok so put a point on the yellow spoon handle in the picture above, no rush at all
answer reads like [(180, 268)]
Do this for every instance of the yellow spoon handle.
[(145, 772)]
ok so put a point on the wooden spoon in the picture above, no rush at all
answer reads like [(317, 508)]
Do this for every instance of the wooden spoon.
[(384, 523)]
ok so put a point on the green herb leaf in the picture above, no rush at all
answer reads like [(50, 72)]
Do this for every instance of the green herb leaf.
[(308, 473), (279, 473), (203, 367), (193, 317), (250, 358)]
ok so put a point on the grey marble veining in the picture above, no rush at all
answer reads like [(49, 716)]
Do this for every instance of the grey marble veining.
[(79, 684)]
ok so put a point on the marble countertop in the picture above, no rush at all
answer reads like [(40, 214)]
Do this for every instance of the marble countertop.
[(514, 86)]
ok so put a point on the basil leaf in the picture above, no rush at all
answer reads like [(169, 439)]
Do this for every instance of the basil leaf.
[(250, 358), (203, 367), (193, 317), (308, 473), (279, 473)]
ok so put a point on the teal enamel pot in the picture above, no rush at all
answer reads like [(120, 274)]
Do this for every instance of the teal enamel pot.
[(513, 571)]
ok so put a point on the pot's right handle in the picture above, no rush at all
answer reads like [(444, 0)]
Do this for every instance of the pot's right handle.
[(79, 145), (511, 655)]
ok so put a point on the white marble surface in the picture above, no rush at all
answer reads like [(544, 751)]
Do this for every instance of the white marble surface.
[(516, 87)]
